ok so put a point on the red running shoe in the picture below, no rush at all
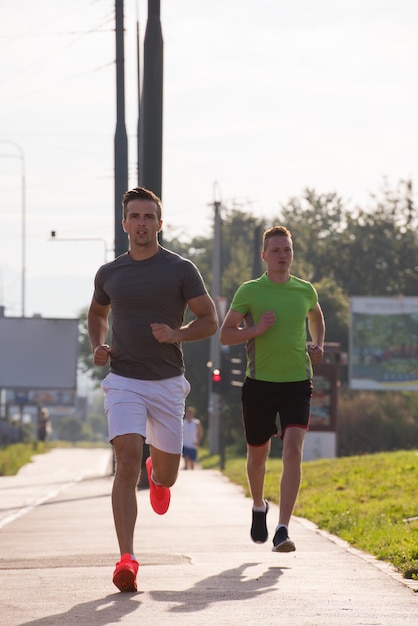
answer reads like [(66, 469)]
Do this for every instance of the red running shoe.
[(159, 495), (124, 576)]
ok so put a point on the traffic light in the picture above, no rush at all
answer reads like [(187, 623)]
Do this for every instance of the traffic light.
[(216, 381), (237, 372), (233, 371), (230, 374)]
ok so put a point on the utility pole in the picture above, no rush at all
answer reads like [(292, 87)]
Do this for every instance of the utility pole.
[(21, 156), (214, 408), (139, 131), (257, 266), (121, 140), (151, 124)]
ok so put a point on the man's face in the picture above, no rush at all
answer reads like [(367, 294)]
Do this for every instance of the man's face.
[(278, 254), (141, 222)]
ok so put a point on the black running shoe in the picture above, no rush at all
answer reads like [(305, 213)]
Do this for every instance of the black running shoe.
[(282, 541), (259, 532)]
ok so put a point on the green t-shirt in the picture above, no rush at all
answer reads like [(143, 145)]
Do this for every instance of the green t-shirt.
[(280, 354)]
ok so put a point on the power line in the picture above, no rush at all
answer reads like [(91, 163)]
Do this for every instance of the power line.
[(32, 68), (55, 83)]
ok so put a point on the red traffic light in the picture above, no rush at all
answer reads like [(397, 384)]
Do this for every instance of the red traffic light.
[(216, 376)]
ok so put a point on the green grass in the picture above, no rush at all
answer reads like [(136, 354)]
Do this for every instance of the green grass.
[(364, 500), (16, 455)]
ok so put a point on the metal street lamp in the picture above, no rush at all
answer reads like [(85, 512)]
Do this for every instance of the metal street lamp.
[(21, 156), (55, 238)]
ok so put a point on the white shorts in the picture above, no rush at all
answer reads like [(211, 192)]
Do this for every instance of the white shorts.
[(151, 408)]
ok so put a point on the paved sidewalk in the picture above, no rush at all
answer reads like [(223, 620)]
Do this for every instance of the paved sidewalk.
[(198, 564), (47, 476)]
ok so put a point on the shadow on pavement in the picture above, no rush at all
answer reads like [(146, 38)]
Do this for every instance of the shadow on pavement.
[(107, 610), (232, 584)]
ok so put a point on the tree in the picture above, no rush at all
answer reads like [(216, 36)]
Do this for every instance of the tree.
[(85, 355), (69, 429), (316, 222), (241, 248), (369, 250), (336, 308)]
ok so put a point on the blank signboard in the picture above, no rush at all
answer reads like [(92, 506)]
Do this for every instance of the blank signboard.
[(38, 353)]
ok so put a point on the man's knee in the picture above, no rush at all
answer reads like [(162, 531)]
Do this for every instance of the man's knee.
[(257, 455), (293, 444), (165, 467)]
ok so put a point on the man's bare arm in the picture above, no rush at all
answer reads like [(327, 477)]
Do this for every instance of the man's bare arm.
[(98, 327)]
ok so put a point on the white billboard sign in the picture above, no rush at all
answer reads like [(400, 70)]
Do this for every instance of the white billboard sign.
[(38, 353), (384, 343)]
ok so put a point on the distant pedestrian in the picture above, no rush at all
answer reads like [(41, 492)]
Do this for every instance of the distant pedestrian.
[(270, 315), (147, 289), (192, 437), (43, 424)]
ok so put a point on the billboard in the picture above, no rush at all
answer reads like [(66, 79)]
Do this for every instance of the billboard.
[(323, 413), (384, 343), (38, 353)]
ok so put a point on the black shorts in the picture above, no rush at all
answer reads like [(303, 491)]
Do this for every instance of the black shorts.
[(262, 401)]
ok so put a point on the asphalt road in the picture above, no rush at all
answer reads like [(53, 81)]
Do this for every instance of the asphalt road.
[(198, 565)]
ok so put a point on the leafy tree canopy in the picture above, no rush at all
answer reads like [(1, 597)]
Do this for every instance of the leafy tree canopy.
[(369, 251)]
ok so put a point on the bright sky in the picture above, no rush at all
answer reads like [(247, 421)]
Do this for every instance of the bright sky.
[(261, 97)]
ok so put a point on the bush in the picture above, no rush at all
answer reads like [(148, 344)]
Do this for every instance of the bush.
[(381, 421), (68, 429)]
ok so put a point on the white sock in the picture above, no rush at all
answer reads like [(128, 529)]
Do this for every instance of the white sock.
[(154, 481), (260, 509), (281, 526)]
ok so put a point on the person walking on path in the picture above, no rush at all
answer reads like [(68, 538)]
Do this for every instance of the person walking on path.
[(270, 314), (147, 290), (192, 436), (43, 427)]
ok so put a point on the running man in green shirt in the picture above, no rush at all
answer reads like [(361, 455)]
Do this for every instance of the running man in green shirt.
[(269, 314)]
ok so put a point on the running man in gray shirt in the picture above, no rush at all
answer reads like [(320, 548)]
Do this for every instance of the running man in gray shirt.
[(147, 290)]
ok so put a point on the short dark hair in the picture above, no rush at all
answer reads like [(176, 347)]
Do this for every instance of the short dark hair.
[(140, 193), (275, 231)]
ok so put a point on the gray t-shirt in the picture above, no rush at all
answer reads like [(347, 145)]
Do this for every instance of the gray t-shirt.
[(140, 293)]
